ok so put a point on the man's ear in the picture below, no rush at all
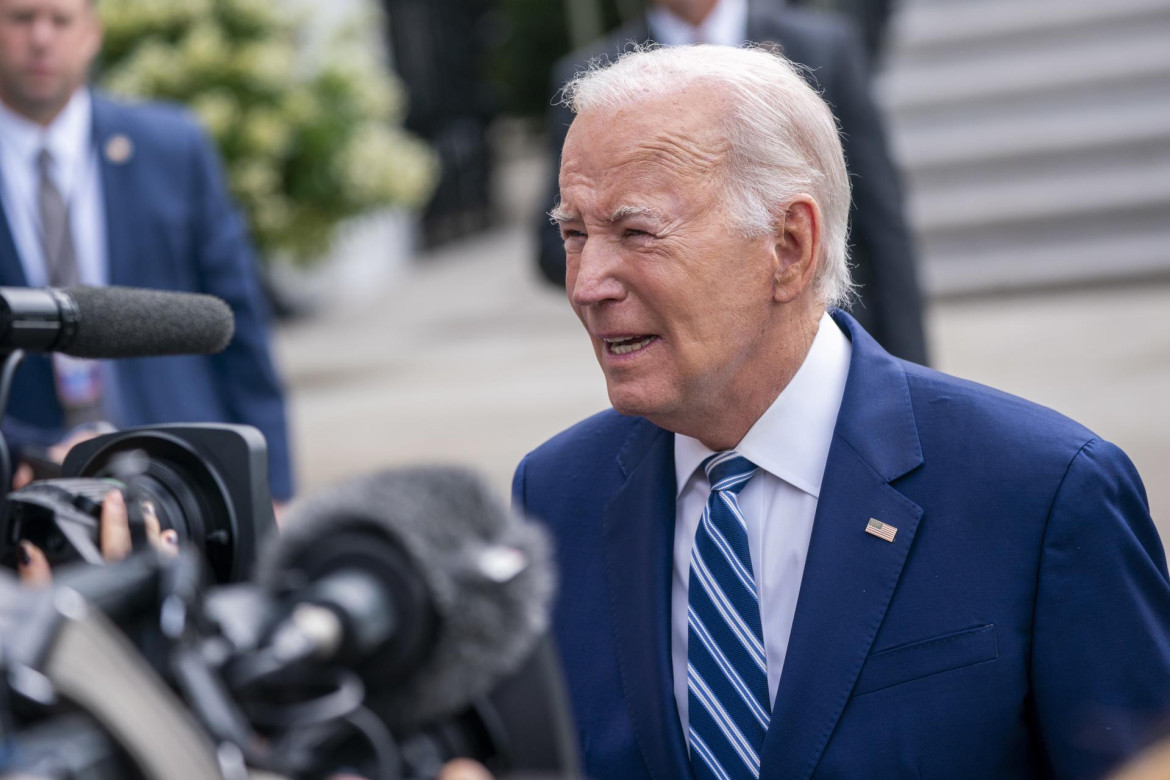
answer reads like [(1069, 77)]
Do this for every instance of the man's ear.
[(796, 247)]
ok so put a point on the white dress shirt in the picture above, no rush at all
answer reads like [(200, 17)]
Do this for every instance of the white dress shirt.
[(725, 25), (790, 444), (74, 169)]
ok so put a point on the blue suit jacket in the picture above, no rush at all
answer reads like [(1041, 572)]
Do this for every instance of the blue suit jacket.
[(1018, 625), (171, 226)]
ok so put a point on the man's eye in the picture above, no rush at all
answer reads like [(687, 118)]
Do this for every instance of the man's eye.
[(635, 233), (574, 239)]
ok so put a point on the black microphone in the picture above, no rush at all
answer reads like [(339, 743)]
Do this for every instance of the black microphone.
[(112, 322), (435, 591)]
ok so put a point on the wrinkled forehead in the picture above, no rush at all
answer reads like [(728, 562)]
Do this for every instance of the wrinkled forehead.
[(680, 137), (72, 7)]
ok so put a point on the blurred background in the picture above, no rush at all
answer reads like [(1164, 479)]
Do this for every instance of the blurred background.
[(391, 159)]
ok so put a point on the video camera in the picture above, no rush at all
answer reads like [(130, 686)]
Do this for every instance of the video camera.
[(207, 482), (398, 621)]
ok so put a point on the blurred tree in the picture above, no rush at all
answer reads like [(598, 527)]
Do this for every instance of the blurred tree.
[(440, 51), (529, 36), (309, 137)]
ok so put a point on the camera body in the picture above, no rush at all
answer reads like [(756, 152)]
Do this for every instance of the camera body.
[(208, 482)]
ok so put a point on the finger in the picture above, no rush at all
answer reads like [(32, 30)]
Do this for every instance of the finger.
[(169, 543), (115, 534), (23, 476), (59, 450), (464, 769), (151, 525), (33, 566)]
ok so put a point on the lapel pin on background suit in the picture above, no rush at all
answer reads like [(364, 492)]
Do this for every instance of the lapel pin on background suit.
[(119, 149), (881, 530)]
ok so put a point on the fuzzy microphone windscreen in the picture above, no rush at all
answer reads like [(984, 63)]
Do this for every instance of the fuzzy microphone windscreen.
[(489, 575)]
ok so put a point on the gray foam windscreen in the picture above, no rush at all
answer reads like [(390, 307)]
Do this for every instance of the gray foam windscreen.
[(489, 573), (118, 322)]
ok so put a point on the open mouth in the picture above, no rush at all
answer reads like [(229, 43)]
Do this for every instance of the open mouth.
[(624, 346)]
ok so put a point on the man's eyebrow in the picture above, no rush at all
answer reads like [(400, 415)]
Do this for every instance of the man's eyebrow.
[(561, 215), (625, 212)]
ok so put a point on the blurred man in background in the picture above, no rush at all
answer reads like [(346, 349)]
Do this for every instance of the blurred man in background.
[(95, 192), (890, 303)]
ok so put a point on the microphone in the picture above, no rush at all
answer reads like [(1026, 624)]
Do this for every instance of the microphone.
[(436, 591), (113, 322)]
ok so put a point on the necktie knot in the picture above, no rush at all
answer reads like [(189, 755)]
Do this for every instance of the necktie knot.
[(728, 470), (45, 172)]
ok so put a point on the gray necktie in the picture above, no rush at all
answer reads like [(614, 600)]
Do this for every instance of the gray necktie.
[(78, 381), (56, 237)]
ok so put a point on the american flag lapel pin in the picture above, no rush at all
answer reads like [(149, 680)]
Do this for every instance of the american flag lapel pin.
[(881, 530), (119, 149)]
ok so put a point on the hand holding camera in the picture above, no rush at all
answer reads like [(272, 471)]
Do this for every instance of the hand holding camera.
[(114, 533)]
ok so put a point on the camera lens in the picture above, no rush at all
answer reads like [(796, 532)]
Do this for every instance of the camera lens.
[(186, 489)]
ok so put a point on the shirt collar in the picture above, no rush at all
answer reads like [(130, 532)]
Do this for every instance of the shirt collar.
[(67, 138), (726, 25), (791, 439)]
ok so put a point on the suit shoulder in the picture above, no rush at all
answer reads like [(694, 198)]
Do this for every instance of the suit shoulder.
[(809, 24), (606, 48), (605, 431), (978, 416), (155, 122), (822, 41)]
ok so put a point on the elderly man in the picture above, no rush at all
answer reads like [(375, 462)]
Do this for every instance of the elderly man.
[(888, 301), (98, 192), (785, 553)]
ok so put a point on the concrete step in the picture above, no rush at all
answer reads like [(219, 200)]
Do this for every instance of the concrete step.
[(1060, 191), (928, 30), (1035, 137), (954, 149), (1095, 177), (1006, 237), (1019, 75), (981, 271), (1073, 99)]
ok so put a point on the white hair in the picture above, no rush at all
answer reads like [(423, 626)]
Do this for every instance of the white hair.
[(782, 138)]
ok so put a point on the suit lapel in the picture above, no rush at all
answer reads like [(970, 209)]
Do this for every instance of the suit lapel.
[(639, 542), (637, 30), (849, 575), (117, 190), (11, 270)]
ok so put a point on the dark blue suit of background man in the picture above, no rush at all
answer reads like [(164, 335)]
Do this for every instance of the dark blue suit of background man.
[(1008, 616), (168, 223)]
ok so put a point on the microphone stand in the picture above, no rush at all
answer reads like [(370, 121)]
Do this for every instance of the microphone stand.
[(12, 361), (68, 649)]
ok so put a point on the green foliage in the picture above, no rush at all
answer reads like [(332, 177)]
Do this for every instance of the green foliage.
[(532, 36), (310, 135)]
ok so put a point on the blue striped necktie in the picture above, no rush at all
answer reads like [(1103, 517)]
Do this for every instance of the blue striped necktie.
[(727, 677)]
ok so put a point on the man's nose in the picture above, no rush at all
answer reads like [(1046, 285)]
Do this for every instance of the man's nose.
[(593, 275), (42, 30)]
